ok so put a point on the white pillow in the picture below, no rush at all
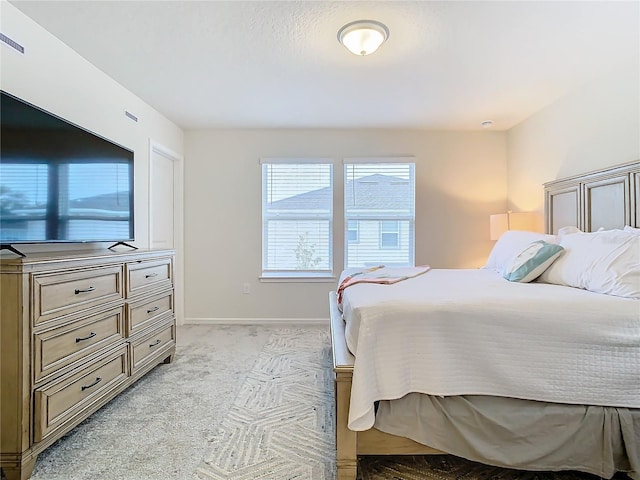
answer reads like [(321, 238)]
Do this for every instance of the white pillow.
[(630, 229), (532, 261), (603, 262), (510, 244), (568, 230)]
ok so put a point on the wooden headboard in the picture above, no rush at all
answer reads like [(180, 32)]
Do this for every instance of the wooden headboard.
[(608, 198)]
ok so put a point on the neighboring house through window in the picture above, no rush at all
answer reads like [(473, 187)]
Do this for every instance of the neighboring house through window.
[(297, 214), (379, 198), (297, 209)]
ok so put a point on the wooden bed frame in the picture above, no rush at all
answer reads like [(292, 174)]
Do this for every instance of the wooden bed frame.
[(608, 198), (350, 444)]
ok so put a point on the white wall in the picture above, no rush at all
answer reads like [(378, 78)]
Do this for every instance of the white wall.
[(460, 181), (54, 77), (596, 126)]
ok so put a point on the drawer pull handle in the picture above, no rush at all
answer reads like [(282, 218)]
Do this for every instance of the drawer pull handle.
[(154, 309), (80, 339), (154, 343), (150, 275), (84, 290), (98, 380)]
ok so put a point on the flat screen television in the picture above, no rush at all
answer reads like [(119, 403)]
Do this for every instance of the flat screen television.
[(60, 182)]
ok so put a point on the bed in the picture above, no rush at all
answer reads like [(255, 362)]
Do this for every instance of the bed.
[(425, 398)]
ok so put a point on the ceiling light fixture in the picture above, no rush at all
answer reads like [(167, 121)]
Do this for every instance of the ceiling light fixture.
[(363, 37)]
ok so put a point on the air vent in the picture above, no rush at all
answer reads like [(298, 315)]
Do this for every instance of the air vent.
[(131, 116), (11, 43)]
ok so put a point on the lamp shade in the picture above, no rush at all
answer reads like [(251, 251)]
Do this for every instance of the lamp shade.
[(363, 37), (501, 222)]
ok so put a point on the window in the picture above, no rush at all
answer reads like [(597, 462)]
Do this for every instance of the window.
[(379, 199), (353, 231), (297, 208), (389, 234)]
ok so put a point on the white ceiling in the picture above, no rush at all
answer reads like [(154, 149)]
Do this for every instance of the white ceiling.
[(276, 64)]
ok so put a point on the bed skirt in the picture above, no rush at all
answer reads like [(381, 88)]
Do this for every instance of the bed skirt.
[(520, 434)]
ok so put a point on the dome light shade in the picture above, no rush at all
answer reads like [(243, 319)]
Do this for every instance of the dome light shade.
[(363, 37)]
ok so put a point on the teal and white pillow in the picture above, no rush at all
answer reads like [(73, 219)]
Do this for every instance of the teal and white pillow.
[(532, 261)]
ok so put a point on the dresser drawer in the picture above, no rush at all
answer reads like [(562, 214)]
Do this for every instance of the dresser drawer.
[(59, 347), (152, 345), (59, 294), (146, 311), (148, 275), (78, 393)]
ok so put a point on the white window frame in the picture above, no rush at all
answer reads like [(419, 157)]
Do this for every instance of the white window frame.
[(282, 275)]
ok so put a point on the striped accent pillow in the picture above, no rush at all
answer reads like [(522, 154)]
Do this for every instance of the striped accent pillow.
[(532, 261)]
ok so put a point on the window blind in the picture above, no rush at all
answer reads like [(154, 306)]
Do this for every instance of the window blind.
[(379, 204), (297, 209)]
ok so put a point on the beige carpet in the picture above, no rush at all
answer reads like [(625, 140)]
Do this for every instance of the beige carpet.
[(158, 429), (184, 420)]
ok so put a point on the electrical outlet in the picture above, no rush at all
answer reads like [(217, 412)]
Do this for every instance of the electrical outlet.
[(246, 288)]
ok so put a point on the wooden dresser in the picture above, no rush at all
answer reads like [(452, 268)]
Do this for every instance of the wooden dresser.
[(76, 329)]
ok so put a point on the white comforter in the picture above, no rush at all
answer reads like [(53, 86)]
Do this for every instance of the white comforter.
[(462, 332)]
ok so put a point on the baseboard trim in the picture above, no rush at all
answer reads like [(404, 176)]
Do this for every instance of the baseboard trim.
[(256, 321)]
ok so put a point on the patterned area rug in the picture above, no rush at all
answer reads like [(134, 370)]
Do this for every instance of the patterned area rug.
[(281, 424), (281, 427)]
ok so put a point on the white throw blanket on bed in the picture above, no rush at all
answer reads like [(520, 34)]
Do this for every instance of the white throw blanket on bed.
[(381, 275), (459, 332)]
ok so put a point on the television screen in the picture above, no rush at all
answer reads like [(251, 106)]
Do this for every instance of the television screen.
[(60, 182)]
